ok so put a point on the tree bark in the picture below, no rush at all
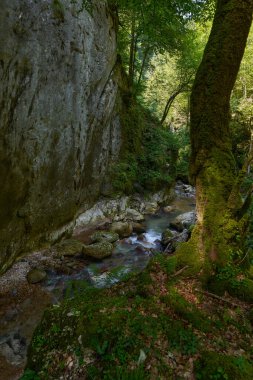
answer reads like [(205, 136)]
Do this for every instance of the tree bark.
[(132, 51), (219, 232)]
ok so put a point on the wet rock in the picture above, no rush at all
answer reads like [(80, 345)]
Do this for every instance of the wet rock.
[(142, 237), (36, 275), (183, 221), (168, 209), (98, 250), (167, 235), (13, 348), (151, 208), (10, 315), (185, 190), (172, 244), (70, 247), (139, 228), (140, 249), (124, 229), (108, 236), (134, 215)]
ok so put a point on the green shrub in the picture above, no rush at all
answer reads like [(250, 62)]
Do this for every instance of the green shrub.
[(148, 155)]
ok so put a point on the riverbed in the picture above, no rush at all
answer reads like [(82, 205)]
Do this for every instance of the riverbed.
[(22, 304)]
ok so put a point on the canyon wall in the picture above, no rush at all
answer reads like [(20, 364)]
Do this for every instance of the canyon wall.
[(59, 116)]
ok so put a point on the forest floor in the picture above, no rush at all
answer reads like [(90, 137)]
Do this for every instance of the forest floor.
[(159, 324)]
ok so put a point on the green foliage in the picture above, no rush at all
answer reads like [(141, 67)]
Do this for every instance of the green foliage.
[(168, 264), (185, 341), (151, 27), (29, 375), (184, 151), (214, 366), (148, 155), (187, 311)]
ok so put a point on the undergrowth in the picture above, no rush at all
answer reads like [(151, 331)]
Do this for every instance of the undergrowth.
[(151, 326)]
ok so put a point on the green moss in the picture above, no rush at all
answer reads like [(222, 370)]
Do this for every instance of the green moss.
[(212, 366), (242, 289), (190, 256), (58, 10), (187, 311), (29, 375)]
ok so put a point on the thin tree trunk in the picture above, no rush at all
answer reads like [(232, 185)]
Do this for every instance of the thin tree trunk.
[(168, 105), (180, 90), (212, 166), (132, 51), (145, 56)]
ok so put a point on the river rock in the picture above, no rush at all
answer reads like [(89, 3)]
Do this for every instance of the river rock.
[(167, 235), (13, 347), (98, 250), (185, 220), (178, 238), (151, 208), (139, 228), (36, 275), (142, 238), (124, 229), (108, 236), (168, 209), (70, 247), (134, 215)]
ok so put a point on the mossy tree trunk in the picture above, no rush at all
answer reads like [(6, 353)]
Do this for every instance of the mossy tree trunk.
[(220, 230)]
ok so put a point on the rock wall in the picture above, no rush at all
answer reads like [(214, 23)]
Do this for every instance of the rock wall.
[(59, 116)]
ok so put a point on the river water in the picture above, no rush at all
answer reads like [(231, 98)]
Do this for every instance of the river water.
[(21, 312)]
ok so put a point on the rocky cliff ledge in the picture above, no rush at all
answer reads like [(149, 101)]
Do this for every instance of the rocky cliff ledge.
[(59, 121)]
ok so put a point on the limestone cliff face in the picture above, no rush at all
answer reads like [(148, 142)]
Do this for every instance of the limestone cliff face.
[(59, 122)]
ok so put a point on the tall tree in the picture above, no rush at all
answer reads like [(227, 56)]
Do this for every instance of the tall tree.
[(153, 26), (221, 224)]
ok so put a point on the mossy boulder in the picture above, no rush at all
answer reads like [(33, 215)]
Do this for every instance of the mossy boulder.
[(134, 215), (70, 247), (139, 228), (183, 221), (167, 235), (242, 289), (124, 229), (108, 236), (98, 250), (36, 275)]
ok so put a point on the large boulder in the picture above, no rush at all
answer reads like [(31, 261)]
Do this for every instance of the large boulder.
[(151, 208), (99, 250), (124, 229), (183, 221), (139, 228), (70, 247), (108, 236), (36, 275), (134, 215), (172, 243)]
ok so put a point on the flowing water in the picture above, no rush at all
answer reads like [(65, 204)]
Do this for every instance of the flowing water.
[(21, 315), (130, 255)]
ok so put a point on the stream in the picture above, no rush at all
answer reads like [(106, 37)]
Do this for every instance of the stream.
[(20, 312)]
